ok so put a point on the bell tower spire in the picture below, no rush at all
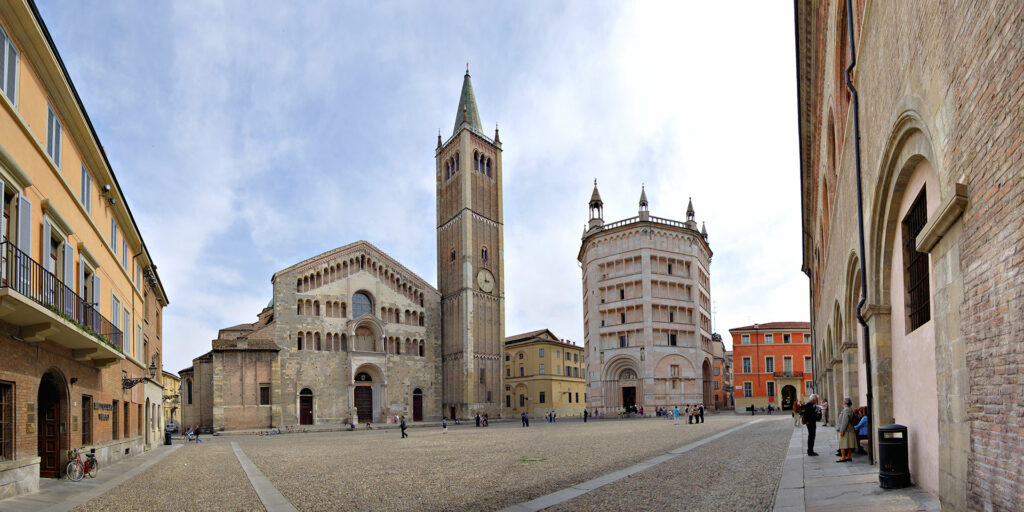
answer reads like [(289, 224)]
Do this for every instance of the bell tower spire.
[(467, 112)]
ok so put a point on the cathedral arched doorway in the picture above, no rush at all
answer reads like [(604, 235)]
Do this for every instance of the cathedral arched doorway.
[(51, 423), (363, 395), (305, 407), (628, 384), (417, 404), (788, 397), (706, 377)]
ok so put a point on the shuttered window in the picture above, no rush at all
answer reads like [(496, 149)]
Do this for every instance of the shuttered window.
[(8, 67), (915, 264), (85, 192), (53, 134)]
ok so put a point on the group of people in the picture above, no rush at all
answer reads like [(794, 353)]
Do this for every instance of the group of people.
[(481, 420), (851, 425), (625, 412), (191, 434), (694, 413)]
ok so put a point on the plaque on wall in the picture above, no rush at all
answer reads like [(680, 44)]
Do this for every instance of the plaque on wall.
[(103, 416)]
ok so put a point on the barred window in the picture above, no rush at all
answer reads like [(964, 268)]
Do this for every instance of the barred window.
[(6, 421), (915, 266), (748, 389), (86, 419)]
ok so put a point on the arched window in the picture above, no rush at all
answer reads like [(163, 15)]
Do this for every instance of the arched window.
[(188, 385), (298, 286), (488, 167), (316, 308), (453, 256), (476, 161), (421, 348), (299, 345), (483, 253), (363, 377), (421, 319), (316, 341), (361, 305), (343, 308), (298, 310)]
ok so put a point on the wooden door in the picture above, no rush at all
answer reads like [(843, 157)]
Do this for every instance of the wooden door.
[(305, 410), (417, 407), (49, 434), (364, 403)]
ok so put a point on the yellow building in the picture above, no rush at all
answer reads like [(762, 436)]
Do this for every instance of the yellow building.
[(80, 299), (543, 374), (172, 399)]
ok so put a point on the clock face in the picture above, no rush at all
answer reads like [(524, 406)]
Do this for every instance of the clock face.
[(485, 280)]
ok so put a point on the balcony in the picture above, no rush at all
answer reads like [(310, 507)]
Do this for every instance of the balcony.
[(789, 375), (45, 308)]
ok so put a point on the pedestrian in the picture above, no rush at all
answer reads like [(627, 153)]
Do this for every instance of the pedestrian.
[(478, 419), (811, 414), (824, 411), (485, 420), (586, 413), (702, 412), (689, 414), (796, 413), (675, 415), (554, 417), (196, 433), (444, 425), (847, 435), (404, 434)]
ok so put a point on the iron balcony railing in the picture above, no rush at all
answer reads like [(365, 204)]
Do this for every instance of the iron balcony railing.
[(789, 374), (19, 272)]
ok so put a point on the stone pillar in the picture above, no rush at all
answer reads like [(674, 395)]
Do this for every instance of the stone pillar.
[(880, 346)]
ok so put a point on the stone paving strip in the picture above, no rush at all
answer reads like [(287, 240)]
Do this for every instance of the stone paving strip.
[(467, 469), (738, 471), (195, 478), (272, 500)]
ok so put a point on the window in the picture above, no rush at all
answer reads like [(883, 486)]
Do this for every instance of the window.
[(522, 400), (127, 424), (361, 305), (8, 70), (113, 415), (807, 364), (540, 369), (570, 397), (769, 364), (575, 371), (558, 370), (673, 370), (770, 387), (127, 326), (748, 389), (521, 371), (115, 308), (124, 253), (507, 357), (483, 253), (716, 384), (671, 316), (786, 339), (453, 256), (483, 375), (188, 387), (264, 394), (508, 400), (576, 358), (670, 269), (577, 397), (915, 266), (672, 339), (745, 339), (787, 364), (85, 194), (520, 355), (746, 365), (53, 136), (508, 372), (622, 294), (541, 353), (768, 339), (541, 400), (113, 235), (6, 418), (807, 387), (558, 355), (622, 341), (86, 420)]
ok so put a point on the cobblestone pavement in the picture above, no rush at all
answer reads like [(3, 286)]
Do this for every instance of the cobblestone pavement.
[(738, 472), (467, 469), (204, 477)]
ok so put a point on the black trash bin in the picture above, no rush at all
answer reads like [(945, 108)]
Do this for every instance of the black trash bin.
[(167, 438), (893, 465)]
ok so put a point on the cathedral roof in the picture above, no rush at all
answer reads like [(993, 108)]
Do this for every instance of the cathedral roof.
[(467, 107), (360, 247)]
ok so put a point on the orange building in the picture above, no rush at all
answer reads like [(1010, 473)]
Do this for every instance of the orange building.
[(771, 364)]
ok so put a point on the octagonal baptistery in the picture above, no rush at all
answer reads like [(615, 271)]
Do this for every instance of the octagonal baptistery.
[(646, 311), (360, 340)]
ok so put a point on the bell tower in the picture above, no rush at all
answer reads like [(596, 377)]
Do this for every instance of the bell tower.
[(470, 266)]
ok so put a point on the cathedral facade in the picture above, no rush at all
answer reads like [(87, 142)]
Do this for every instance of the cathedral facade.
[(353, 336)]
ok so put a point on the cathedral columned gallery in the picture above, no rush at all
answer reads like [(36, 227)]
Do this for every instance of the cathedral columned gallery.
[(353, 336)]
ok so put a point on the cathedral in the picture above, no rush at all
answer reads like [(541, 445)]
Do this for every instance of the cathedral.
[(353, 336)]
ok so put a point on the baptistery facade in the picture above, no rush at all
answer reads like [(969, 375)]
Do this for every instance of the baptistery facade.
[(646, 310)]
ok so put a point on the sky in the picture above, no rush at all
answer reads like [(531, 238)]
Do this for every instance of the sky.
[(248, 136)]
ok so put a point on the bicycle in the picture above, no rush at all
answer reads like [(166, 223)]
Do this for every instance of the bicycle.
[(76, 469)]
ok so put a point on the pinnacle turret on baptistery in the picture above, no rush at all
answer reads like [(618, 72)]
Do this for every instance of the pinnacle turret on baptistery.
[(596, 209)]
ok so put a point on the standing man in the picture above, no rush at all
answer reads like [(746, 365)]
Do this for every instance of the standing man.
[(586, 413), (812, 415), (478, 419), (702, 412), (675, 415), (404, 435)]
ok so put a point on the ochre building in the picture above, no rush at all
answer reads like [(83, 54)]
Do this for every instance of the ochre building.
[(544, 374), (646, 310), (80, 299), (172, 399), (721, 380), (772, 364), (938, 116)]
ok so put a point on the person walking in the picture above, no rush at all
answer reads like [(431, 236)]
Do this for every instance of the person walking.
[(796, 413), (444, 425), (675, 415), (811, 414), (478, 419), (404, 434), (554, 417), (586, 414), (847, 435), (486, 423), (702, 412)]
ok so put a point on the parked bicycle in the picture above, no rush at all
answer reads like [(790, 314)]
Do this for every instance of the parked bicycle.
[(77, 469)]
